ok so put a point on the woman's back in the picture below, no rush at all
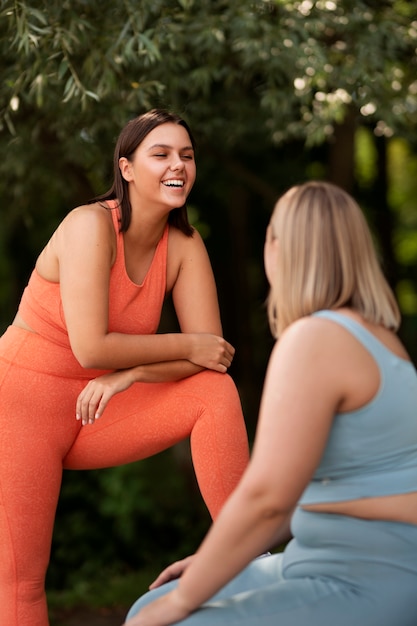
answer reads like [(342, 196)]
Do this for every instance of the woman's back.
[(371, 453)]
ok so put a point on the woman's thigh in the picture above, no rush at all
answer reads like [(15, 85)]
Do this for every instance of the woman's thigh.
[(259, 595), (257, 575), (336, 571), (148, 418), (262, 595)]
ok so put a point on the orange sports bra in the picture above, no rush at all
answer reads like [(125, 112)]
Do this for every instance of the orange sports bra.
[(133, 309)]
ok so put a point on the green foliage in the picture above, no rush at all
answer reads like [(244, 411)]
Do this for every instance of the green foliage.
[(265, 86), (298, 64), (104, 590), (402, 166), (118, 520)]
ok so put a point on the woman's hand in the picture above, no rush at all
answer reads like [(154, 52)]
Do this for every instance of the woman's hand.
[(95, 396), (166, 610), (172, 572), (211, 352)]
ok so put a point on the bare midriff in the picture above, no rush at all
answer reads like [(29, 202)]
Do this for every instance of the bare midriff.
[(395, 508)]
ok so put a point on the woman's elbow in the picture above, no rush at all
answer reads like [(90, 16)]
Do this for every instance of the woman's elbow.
[(269, 505), (89, 357), (273, 511)]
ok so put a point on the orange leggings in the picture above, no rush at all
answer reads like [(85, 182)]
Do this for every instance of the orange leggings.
[(39, 384)]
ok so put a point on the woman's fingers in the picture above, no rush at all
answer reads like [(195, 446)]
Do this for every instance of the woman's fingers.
[(172, 572), (90, 404), (96, 395), (212, 352)]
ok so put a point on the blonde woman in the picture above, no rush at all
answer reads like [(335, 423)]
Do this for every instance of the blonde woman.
[(334, 461)]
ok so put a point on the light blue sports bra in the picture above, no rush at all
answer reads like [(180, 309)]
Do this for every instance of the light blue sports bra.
[(372, 451)]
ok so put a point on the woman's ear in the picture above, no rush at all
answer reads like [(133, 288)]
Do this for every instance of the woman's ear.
[(125, 167)]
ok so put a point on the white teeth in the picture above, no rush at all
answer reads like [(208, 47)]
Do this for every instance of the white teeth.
[(173, 183)]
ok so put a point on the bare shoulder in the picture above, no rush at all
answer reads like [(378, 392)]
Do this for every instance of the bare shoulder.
[(317, 342), (87, 227), (89, 222), (93, 215), (182, 248), (308, 331), (326, 346), (306, 369), (178, 238), (311, 354), (324, 332)]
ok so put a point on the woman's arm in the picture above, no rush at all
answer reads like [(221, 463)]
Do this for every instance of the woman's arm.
[(194, 292), (96, 394), (195, 300), (176, 570), (85, 248), (301, 394)]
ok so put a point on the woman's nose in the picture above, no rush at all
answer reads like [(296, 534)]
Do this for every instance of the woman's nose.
[(176, 163)]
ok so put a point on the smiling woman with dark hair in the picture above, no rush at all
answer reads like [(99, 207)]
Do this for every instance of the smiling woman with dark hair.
[(86, 381)]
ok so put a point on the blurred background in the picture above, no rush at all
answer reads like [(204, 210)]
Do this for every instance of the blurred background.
[(275, 92)]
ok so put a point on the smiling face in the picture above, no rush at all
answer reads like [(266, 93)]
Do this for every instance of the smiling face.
[(162, 170)]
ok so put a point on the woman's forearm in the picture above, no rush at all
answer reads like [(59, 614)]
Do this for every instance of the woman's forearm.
[(166, 371), (122, 351), (245, 528), (118, 351)]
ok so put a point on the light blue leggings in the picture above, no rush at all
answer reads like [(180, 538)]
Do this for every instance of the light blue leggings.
[(337, 571)]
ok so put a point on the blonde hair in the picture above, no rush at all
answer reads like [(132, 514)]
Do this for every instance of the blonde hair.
[(326, 259)]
